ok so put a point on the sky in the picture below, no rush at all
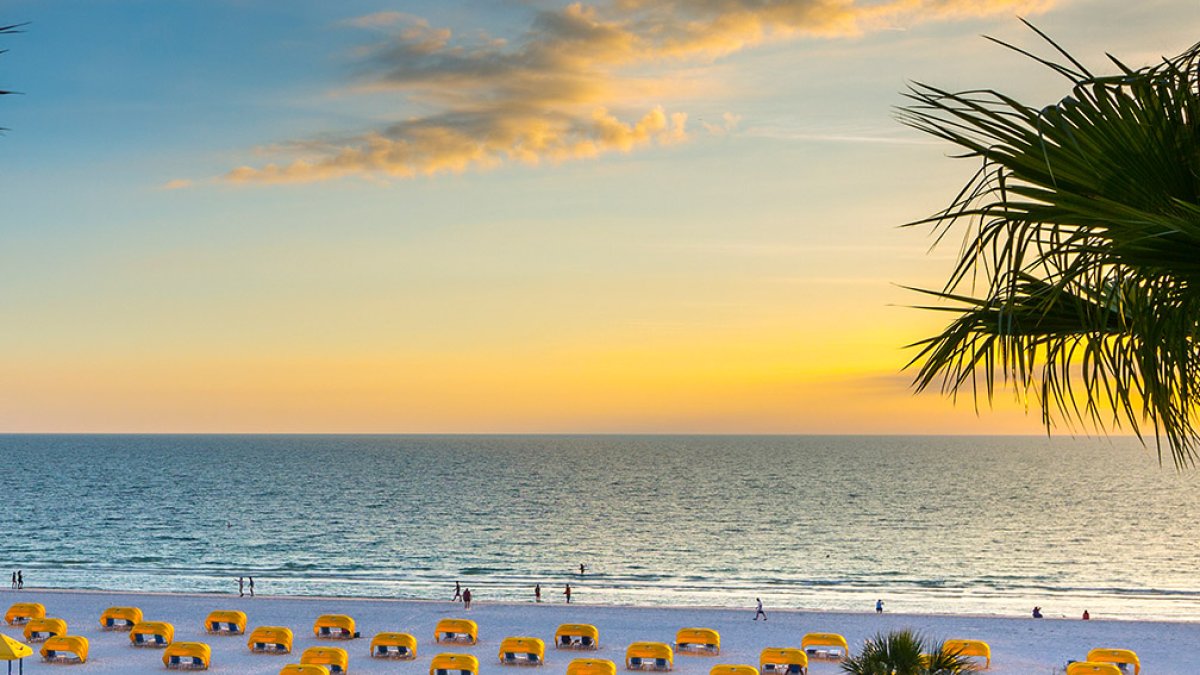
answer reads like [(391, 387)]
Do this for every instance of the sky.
[(615, 216)]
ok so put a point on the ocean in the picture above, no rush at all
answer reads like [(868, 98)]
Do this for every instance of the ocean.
[(958, 525)]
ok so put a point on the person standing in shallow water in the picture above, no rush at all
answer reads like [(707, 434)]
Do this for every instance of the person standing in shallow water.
[(759, 612), (537, 593), (457, 592), (567, 592), (879, 606), (252, 587)]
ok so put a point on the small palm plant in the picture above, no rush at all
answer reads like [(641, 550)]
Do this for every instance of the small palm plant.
[(906, 652), (14, 28)]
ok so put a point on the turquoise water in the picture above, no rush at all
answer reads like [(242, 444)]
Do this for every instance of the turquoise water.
[(929, 524)]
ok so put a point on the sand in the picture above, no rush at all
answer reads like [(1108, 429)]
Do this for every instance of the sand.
[(1020, 646)]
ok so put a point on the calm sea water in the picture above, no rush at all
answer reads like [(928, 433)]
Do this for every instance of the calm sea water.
[(929, 524)]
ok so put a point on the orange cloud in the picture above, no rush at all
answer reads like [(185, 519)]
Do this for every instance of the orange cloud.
[(557, 92)]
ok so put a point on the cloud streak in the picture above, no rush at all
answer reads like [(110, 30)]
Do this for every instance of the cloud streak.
[(581, 81)]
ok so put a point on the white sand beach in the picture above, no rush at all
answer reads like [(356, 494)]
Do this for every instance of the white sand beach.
[(1019, 646)]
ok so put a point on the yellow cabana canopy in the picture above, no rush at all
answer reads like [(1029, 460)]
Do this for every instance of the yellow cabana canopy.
[(120, 618), (270, 639), (225, 622), (394, 646), (37, 630), (1092, 668), (733, 669), (783, 660), (334, 658), (966, 647), (20, 612), (152, 634), (649, 656), (456, 630), (65, 649), (591, 667), (334, 626), (812, 644), (454, 664), (704, 641), (577, 636), (187, 656), (303, 669), (11, 650), (522, 651), (1117, 657)]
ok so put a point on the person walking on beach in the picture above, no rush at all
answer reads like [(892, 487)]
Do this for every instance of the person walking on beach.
[(241, 587), (466, 598), (879, 606), (759, 612), (20, 580), (252, 587), (537, 593), (457, 592), (14, 586), (567, 593)]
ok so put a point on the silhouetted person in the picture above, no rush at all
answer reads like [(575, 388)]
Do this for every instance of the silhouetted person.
[(537, 593), (582, 569), (241, 587), (1037, 612), (20, 580), (567, 593), (466, 598), (457, 592), (252, 587), (14, 586), (879, 606), (759, 612), (1086, 616)]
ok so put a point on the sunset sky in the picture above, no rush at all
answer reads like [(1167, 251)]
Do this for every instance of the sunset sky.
[(508, 216)]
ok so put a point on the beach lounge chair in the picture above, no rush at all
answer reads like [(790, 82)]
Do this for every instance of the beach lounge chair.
[(522, 651), (65, 649), (1092, 668), (733, 669), (699, 641), (1122, 658), (454, 664), (21, 612), (965, 647), (649, 656), (334, 658), (151, 634), (120, 618), (225, 622), (783, 661), (591, 667), (303, 669), (456, 631), (577, 636), (187, 656), (334, 627), (270, 640), (830, 646), (394, 646), (37, 630)]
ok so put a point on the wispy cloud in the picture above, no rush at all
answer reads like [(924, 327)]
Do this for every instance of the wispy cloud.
[(581, 81), (177, 184)]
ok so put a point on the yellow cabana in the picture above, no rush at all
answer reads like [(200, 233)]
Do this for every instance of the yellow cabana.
[(120, 618), (225, 622), (576, 636), (37, 630), (65, 649), (1119, 657), (270, 640), (334, 658), (783, 661), (21, 612), (591, 667), (394, 646), (303, 669), (334, 627), (649, 656), (1092, 668), (966, 647), (11, 650), (463, 631), (733, 669), (187, 656), (151, 634), (454, 664), (825, 646), (522, 651), (704, 641)]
